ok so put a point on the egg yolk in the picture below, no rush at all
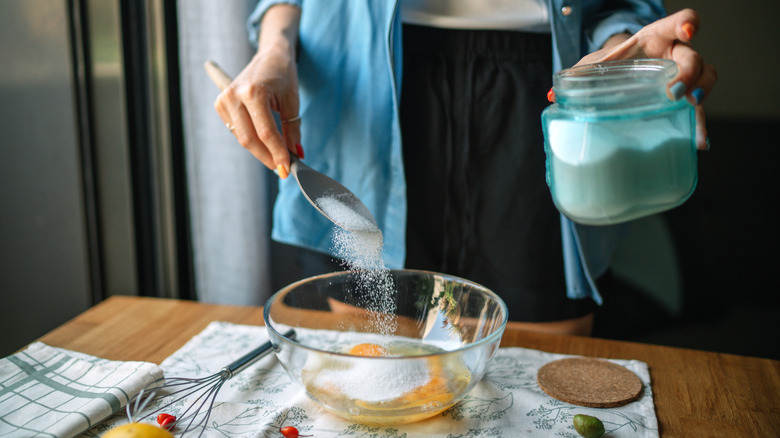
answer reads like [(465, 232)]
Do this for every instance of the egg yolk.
[(435, 390), (368, 349)]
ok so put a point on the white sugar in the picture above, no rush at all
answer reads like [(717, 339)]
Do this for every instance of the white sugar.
[(343, 215), (374, 380), (604, 175), (360, 246)]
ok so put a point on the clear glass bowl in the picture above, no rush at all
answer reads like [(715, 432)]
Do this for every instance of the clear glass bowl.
[(434, 338)]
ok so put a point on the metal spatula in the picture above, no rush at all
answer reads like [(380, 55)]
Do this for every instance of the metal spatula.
[(350, 213)]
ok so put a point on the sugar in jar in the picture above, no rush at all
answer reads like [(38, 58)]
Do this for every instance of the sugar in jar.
[(617, 147)]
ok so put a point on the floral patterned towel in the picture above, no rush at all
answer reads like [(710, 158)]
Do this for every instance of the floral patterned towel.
[(507, 403)]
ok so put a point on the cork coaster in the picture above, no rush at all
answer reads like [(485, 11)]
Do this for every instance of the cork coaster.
[(590, 382)]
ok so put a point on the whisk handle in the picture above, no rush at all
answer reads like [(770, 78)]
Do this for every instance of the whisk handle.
[(248, 359)]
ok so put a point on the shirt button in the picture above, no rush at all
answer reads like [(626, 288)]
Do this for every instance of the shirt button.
[(566, 11)]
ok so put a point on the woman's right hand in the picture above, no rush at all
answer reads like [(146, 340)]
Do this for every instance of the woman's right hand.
[(669, 38), (268, 84)]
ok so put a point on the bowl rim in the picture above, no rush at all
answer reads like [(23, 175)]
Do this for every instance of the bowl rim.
[(486, 340)]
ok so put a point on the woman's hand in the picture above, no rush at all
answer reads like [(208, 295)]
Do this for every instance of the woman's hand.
[(269, 83), (669, 38)]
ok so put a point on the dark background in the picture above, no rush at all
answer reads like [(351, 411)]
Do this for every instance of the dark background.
[(725, 236), (726, 240)]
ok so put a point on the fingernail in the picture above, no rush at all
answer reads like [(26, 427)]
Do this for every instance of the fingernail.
[(688, 29), (299, 150), (282, 171), (698, 95), (551, 96), (677, 90)]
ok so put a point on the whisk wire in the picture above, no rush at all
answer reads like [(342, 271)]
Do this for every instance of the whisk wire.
[(165, 393)]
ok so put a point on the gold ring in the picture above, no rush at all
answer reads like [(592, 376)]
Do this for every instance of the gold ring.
[(294, 119)]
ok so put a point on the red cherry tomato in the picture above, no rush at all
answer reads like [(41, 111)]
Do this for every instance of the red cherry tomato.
[(290, 432), (166, 421)]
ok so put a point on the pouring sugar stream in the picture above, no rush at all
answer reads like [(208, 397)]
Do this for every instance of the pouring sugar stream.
[(359, 243)]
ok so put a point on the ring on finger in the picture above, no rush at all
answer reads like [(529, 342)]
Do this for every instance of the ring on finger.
[(293, 120)]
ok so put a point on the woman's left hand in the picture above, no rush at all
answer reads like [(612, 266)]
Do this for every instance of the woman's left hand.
[(669, 38)]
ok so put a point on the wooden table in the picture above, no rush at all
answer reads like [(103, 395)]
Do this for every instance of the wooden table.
[(696, 393)]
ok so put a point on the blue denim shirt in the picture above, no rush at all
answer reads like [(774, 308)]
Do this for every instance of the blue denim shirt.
[(349, 71)]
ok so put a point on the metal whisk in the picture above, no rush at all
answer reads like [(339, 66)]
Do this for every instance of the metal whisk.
[(168, 391)]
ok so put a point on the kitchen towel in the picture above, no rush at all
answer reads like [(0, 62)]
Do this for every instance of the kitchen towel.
[(507, 403), (52, 392)]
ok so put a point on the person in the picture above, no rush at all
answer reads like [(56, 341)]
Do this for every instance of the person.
[(429, 111)]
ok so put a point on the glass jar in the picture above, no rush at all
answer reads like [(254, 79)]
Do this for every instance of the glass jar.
[(617, 147)]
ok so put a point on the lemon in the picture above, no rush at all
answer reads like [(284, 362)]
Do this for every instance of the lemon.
[(138, 430)]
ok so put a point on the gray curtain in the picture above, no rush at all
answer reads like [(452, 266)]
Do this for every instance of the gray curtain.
[(228, 190)]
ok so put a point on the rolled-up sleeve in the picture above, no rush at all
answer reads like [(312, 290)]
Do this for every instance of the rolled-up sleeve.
[(616, 17), (253, 22)]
